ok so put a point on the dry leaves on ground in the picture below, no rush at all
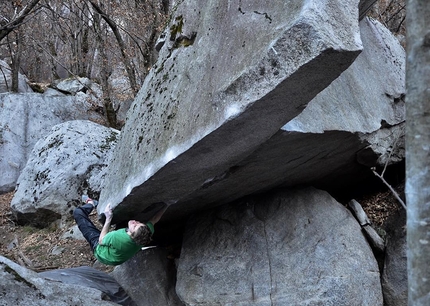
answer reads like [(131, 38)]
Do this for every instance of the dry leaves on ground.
[(41, 249)]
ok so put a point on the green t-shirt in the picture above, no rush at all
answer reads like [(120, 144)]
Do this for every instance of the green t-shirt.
[(116, 248)]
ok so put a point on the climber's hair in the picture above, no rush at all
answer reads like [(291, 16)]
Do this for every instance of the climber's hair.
[(142, 235)]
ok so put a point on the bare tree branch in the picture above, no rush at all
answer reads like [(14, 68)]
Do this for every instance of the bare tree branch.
[(121, 44), (9, 27), (396, 195)]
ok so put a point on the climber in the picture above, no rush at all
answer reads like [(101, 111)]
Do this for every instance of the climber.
[(115, 247)]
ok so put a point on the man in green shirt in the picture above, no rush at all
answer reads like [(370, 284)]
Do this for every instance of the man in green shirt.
[(115, 247)]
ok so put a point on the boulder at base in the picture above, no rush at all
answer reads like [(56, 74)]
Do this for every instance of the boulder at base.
[(296, 247), (20, 286)]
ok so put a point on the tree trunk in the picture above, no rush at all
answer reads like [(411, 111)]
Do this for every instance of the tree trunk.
[(12, 25), (104, 76), (122, 46), (15, 55), (418, 151)]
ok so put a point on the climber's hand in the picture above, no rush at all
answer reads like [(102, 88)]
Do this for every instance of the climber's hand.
[(108, 212)]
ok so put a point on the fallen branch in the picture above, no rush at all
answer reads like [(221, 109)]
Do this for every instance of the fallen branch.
[(396, 195), (381, 176), (27, 261), (19, 255), (41, 269)]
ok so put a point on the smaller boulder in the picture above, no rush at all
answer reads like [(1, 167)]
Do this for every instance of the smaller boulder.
[(71, 159), (74, 85), (6, 79), (21, 286), (154, 278)]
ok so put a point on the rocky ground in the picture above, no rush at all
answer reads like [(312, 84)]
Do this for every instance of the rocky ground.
[(44, 249), (41, 249)]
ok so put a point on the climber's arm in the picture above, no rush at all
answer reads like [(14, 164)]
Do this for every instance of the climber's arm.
[(106, 226), (158, 215)]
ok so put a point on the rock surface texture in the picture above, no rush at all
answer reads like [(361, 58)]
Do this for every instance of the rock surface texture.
[(395, 274), (25, 118), (228, 78), (154, 277), (332, 143), (20, 286), (71, 159), (297, 247)]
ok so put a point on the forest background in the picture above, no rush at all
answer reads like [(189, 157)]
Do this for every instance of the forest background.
[(47, 40)]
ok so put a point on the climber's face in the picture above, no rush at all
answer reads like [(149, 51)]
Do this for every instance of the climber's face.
[(133, 225)]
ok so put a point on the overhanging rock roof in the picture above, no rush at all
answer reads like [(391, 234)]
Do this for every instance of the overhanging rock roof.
[(230, 76)]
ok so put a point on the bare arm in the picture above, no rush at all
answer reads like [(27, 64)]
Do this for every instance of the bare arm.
[(106, 226), (158, 215)]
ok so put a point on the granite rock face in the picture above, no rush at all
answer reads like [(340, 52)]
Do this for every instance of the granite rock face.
[(27, 117), (395, 274), (72, 159), (357, 122), (154, 278), (228, 77), (21, 286), (294, 247)]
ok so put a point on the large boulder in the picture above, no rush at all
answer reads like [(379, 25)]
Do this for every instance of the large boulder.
[(26, 118), (366, 97), (294, 247), (229, 77), (354, 124), (72, 159), (20, 286)]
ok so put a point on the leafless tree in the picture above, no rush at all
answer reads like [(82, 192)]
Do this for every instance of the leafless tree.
[(21, 12), (51, 39), (392, 14), (122, 46)]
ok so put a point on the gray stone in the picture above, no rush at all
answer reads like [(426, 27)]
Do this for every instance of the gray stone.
[(294, 247), (72, 157), (121, 94), (359, 213), (73, 233), (26, 118), (6, 80), (91, 278), (395, 273), (374, 239), (57, 250), (368, 95), (75, 85), (367, 99), (20, 286), (230, 77), (153, 278), (334, 141)]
